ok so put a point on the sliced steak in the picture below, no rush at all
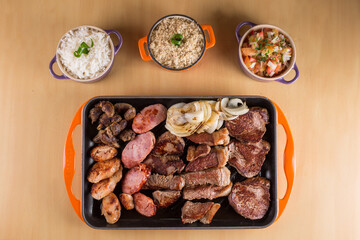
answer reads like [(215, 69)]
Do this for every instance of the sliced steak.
[(251, 198), (207, 218), (196, 152), (217, 157), (127, 201), (103, 152), (105, 187), (165, 198), (138, 149), (144, 205), (207, 191), (220, 137), (111, 208), (170, 144), (250, 126), (103, 169), (248, 157), (165, 165), (214, 176), (135, 178), (148, 118), (192, 212), (171, 182)]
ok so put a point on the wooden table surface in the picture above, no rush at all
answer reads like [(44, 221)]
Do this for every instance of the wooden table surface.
[(322, 108)]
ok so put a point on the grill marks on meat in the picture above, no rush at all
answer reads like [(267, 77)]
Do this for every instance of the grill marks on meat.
[(166, 198), (248, 157), (168, 143), (217, 157), (220, 137), (135, 178), (214, 176), (250, 126), (104, 169), (192, 212), (149, 117), (127, 201), (207, 191), (251, 198), (165, 165), (111, 208), (207, 218), (105, 187), (103, 152), (157, 181), (196, 152), (144, 205)]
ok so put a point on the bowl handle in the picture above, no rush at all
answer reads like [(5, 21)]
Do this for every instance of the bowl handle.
[(289, 160), (52, 70), (238, 36), (69, 162), (282, 80), (117, 47), (210, 31), (143, 49)]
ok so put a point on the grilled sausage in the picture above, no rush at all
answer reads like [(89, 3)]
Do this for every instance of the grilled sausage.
[(137, 150), (105, 187), (135, 178), (149, 117), (103, 152), (111, 208), (127, 201), (103, 169), (144, 205)]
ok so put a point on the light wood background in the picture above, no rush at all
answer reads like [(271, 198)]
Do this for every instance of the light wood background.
[(322, 107)]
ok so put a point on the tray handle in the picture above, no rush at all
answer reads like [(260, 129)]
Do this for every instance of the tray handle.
[(289, 160), (69, 162)]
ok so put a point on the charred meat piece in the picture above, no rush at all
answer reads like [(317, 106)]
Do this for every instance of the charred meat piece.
[(103, 169), (148, 118), (144, 205), (106, 186), (248, 157), (207, 191), (220, 137), (95, 113), (207, 218), (214, 176), (116, 128), (251, 198), (138, 149), (165, 165), (164, 199), (196, 152), (157, 181), (127, 135), (250, 126), (135, 178), (111, 208), (192, 212), (106, 121), (168, 143), (107, 107), (126, 109), (103, 152), (103, 137), (127, 201), (217, 157)]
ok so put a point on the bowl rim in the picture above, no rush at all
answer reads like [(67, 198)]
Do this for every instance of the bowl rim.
[(293, 57), (182, 16), (93, 79)]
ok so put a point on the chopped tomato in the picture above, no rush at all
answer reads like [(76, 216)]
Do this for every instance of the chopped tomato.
[(269, 70), (277, 68), (247, 62), (261, 35), (251, 59)]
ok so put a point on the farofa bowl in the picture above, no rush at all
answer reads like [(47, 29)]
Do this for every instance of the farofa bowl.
[(176, 42), (244, 66), (63, 64)]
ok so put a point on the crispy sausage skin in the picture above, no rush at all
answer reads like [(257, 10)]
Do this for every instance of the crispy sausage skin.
[(149, 117), (105, 187), (104, 169), (135, 178), (103, 152), (144, 205), (111, 208)]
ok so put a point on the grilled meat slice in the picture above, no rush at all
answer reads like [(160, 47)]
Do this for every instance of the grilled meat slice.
[(192, 212), (111, 208), (248, 157), (148, 118), (127, 201), (170, 144), (104, 169), (103, 137), (220, 137), (115, 128), (106, 186), (127, 135), (135, 178), (103, 152), (207, 218), (126, 109), (165, 198), (144, 205), (171, 182), (214, 176), (95, 113), (107, 107), (250, 126), (196, 152), (165, 165), (106, 121), (207, 191), (217, 157), (251, 198)]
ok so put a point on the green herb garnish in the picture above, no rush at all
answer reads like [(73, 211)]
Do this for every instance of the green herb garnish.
[(83, 49), (176, 39)]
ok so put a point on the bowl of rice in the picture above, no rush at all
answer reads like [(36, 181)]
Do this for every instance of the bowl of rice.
[(85, 54), (266, 53), (176, 42)]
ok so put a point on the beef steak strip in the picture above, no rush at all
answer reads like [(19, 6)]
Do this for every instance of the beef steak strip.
[(192, 212), (207, 192), (220, 137), (207, 218), (198, 151), (170, 144), (165, 165), (171, 182), (215, 176), (164, 199), (217, 157)]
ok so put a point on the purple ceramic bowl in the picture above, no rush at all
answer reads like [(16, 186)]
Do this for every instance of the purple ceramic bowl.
[(66, 75), (278, 78)]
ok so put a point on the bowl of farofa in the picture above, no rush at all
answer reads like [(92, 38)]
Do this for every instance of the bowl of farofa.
[(266, 53), (85, 54), (176, 42)]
